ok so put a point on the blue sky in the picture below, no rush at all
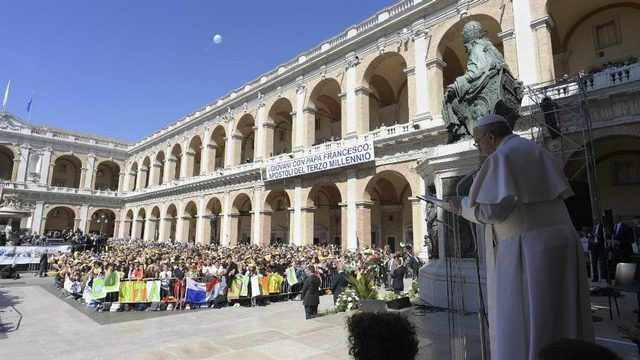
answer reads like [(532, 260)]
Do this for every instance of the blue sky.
[(124, 69)]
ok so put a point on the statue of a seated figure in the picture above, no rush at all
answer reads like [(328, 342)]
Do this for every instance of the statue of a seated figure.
[(486, 87)]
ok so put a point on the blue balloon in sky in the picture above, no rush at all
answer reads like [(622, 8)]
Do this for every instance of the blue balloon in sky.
[(217, 39)]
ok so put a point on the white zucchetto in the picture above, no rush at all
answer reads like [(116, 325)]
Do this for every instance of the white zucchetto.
[(490, 119)]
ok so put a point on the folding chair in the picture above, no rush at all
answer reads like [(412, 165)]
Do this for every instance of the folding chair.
[(627, 279)]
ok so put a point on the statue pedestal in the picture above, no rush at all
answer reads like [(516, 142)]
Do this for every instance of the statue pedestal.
[(444, 167), (436, 285)]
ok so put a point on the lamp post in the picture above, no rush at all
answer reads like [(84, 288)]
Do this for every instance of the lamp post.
[(213, 221)]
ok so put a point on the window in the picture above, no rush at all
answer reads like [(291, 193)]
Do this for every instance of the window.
[(626, 172), (281, 135), (62, 168), (318, 124), (607, 34)]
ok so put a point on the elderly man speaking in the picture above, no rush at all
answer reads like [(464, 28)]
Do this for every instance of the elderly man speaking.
[(535, 271)]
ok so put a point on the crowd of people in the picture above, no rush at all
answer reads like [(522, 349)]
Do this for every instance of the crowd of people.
[(172, 263), (611, 65)]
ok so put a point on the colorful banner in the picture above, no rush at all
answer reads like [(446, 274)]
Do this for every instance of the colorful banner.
[(245, 286), (264, 286), (112, 282), (275, 280), (292, 279), (234, 289), (139, 291), (255, 286), (98, 290), (28, 254)]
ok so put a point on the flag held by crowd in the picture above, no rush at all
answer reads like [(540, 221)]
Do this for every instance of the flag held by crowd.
[(292, 279)]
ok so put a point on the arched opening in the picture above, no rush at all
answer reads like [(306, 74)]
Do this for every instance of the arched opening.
[(154, 228), (618, 171), (218, 137), (388, 97), (390, 209), (140, 223), (282, 122), (276, 218), (327, 214), (128, 224), (158, 164), (597, 37), (213, 215), (66, 172), (145, 172), (246, 138), (6, 163), (102, 222), (175, 162), (189, 222), (328, 111), (194, 156), (133, 177), (170, 223), (107, 176), (240, 220), (59, 219), (451, 49)]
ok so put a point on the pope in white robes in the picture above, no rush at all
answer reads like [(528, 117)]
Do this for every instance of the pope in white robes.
[(536, 282)]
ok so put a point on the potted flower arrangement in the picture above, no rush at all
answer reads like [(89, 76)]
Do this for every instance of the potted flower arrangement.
[(347, 300), (366, 291)]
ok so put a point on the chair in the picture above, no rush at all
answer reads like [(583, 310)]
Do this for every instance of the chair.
[(627, 280)]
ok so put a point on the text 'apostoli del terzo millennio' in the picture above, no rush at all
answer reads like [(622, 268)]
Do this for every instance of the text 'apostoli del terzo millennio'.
[(349, 155)]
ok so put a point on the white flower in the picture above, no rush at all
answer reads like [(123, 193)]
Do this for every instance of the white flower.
[(349, 306)]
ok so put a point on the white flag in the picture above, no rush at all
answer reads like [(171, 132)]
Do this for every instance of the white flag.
[(6, 96)]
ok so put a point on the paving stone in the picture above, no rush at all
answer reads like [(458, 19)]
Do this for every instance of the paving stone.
[(246, 354), (201, 349)]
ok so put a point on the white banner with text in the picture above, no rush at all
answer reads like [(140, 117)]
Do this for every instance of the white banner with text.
[(331, 159)]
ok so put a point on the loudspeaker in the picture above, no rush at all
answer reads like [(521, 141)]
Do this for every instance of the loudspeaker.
[(607, 218), (549, 109)]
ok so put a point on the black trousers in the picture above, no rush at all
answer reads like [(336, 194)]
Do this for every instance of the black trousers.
[(310, 311), (596, 257)]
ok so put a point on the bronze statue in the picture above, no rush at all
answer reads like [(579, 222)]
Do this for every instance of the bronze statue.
[(486, 87)]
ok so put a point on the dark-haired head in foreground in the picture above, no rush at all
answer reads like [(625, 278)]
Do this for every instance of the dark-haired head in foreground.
[(381, 336), (572, 349)]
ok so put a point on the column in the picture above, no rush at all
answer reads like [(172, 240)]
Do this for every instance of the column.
[(309, 122), (212, 151), (420, 74), (411, 95), (542, 34), (417, 223), (293, 232), (186, 167), (525, 45), (155, 174), (435, 88), (235, 150), (204, 154), (229, 149), (121, 229), (508, 38), (116, 228), (137, 230), (46, 165), (299, 124), (344, 229), (234, 219), (265, 222), (352, 110), (91, 170), (363, 212), (37, 222), (267, 144), (149, 228), (224, 234), (122, 179), (344, 124), (23, 156), (352, 230), (260, 132), (165, 226), (169, 170), (14, 169), (256, 229), (306, 231), (200, 223), (84, 215), (362, 95), (296, 231)]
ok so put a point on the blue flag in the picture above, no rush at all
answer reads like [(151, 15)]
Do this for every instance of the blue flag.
[(29, 102)]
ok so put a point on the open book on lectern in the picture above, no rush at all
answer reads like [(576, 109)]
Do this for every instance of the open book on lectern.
[(437, 202)]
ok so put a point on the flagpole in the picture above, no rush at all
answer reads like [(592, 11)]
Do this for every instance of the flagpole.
[(29, 105), (6, 96)]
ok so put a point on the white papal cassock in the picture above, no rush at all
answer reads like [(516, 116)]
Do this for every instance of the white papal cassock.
[(536, 279)]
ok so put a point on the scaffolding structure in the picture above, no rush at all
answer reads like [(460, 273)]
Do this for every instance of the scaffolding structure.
[(559, 120)]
